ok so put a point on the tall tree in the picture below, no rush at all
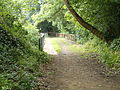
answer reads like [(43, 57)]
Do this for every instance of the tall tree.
[(110, 33), (100, 17), (91, 28)]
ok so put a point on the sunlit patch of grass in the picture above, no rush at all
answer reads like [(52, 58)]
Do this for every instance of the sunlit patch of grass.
[(98, 50), (85, 50), (76, 48), (56, 43), (81, 48)]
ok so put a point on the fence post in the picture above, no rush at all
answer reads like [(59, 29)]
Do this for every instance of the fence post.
[(41, 42)]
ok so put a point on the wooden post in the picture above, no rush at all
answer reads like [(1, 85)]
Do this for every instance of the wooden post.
[(41, 42)]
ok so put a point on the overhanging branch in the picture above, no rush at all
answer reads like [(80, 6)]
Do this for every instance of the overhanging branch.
[(86, 25)]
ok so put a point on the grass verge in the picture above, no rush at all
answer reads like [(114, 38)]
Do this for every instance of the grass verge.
[(56, 43)]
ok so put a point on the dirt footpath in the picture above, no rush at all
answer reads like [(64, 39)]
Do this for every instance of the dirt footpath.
[(72, 72)]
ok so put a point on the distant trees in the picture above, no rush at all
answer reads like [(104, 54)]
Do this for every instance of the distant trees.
[(46, 26), (100, 17)]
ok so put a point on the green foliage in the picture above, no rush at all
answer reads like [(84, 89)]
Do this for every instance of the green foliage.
[(19, 55), (56, 44), (102, 14), (20, 58), (46, 26), (96, 49), (19, 68), (32, 31), (108, 54), (116, 45)]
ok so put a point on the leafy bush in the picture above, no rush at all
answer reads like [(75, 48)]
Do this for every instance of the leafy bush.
[(115, 45), (108, 54), (20, 59), (33, 33), (19, 69)]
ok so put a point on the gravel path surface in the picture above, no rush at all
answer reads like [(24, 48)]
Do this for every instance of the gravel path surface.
[(48, 47), (72, 72)]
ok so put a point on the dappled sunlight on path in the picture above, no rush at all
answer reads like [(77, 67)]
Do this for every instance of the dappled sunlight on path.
[(48, 47)]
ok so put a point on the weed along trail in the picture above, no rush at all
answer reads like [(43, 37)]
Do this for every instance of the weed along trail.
[(74, 72)]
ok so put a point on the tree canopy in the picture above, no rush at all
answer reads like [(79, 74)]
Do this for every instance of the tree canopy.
[(100, 17), (22, 20)]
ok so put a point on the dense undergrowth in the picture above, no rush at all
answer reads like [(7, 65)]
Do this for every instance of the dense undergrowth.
[(19, 54), (20, 60), (108, 54)]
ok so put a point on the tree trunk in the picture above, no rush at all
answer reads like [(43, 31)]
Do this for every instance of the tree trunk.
[(86, 25)]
